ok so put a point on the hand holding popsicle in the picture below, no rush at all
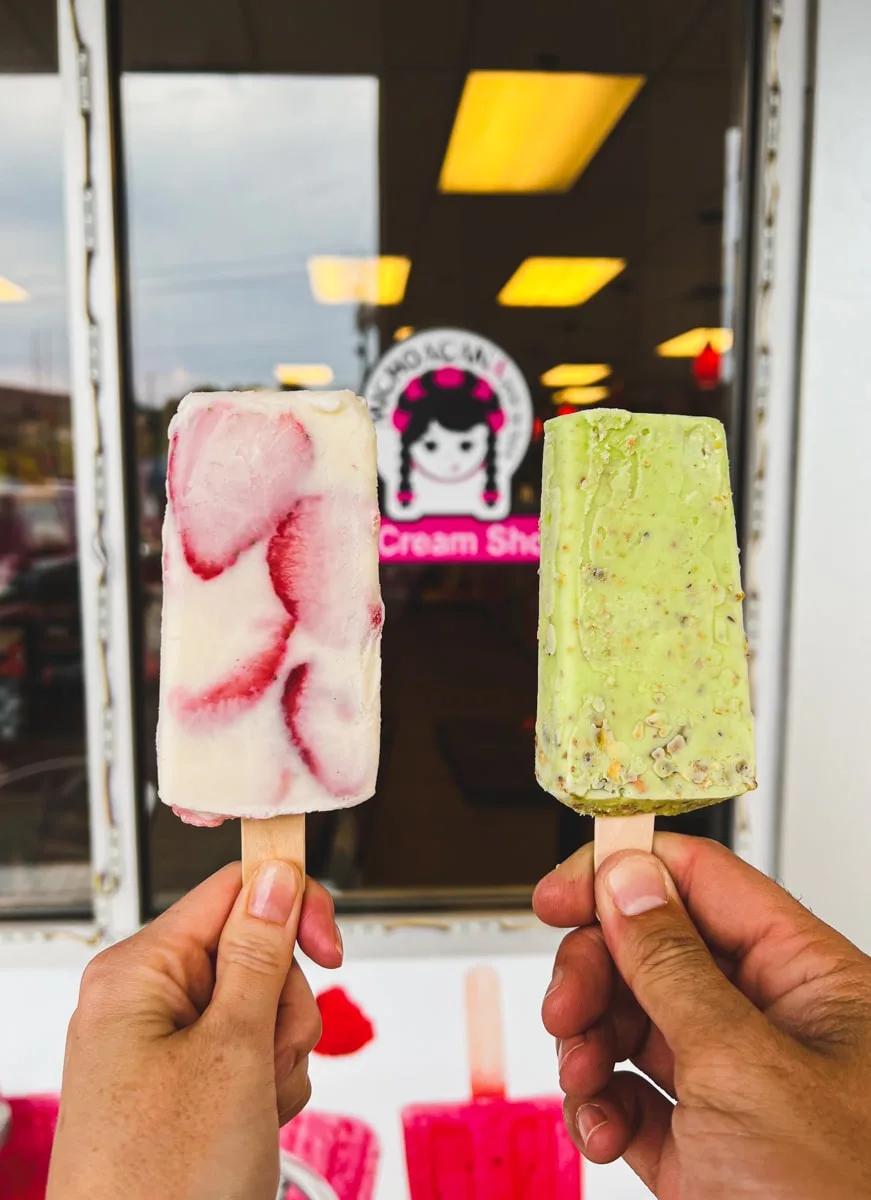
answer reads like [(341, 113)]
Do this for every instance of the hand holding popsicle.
[(189, 1047), (732, 999)]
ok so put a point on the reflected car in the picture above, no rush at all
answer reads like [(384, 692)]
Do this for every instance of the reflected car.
[(40, 637)]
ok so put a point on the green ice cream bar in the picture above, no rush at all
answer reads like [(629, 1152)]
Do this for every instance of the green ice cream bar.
[(643, 694)]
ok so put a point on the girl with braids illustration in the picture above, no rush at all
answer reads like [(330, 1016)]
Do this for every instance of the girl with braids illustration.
[(448, 421)]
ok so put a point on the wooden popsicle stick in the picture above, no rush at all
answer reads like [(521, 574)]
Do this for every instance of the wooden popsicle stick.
[(622, 833), (274, 837), (484, 1033)]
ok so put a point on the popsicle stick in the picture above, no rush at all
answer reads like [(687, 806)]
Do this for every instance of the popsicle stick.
[(622, 833), (275, 837), (484, 1033)]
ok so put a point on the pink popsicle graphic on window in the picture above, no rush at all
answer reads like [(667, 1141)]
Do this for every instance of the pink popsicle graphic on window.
[(342, 1151), (490, 1148), (272, 614)]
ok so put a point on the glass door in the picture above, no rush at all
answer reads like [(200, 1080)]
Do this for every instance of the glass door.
[(479, 214)]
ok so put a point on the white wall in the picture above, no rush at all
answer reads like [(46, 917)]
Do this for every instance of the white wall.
[(826, 844)]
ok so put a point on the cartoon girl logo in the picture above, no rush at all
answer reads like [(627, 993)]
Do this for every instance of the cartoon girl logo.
[(448, 421), (451, 435)]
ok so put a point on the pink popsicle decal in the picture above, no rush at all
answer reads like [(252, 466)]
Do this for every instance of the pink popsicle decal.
[(484, 1031), (343, 1151), (490, 1148)]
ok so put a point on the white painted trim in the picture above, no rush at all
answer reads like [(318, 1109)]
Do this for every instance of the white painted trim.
[(56, 944), (447, 935), (365, 937), (98, 441), (771, 431), (827, 814)]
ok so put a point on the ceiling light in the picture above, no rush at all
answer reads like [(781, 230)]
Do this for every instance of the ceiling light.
[(11, 293), (558, 282), (575, 374), (403, 333), (304, 374), (378, 280), (531, 131), (693, 342), (579, 396)]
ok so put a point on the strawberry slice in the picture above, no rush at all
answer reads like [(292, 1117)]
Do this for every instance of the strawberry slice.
[(321, 723), (317, 549), (232, 476), (237, 693)]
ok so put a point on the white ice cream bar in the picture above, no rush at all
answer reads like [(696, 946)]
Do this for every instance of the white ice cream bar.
[(270, 657)]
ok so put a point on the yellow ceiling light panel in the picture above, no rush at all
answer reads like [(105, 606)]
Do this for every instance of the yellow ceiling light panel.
[(11, 293), (579, 396), (558, 282), (693, 342), (304, 375), (403, 333), (575, 374), (531, 131), (379, 281)]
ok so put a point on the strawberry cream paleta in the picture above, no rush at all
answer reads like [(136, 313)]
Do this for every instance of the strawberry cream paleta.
[(272, 614)]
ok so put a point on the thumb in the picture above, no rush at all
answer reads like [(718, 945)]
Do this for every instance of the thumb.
[(255, 952), (661, 956)]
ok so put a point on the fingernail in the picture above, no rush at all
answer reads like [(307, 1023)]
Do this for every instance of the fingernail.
[(274, 892), (555, 982), (340, 945), (590, 1118), (636, 885), (563, 1052)]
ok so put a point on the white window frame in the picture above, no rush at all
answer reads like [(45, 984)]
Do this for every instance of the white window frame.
[(773, 352), (95, 396), (101, 489)]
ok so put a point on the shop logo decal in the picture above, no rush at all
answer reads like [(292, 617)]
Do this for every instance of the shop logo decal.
[(453, 416)]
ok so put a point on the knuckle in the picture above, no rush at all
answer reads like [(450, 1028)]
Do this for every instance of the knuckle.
[(580, 944), (298, 1046), (311, 1031), (708, 1078), (294, 1095), (256, 952), (98, 979), (668, 957)]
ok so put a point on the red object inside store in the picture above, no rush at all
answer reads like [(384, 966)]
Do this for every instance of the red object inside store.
[(707, 367)]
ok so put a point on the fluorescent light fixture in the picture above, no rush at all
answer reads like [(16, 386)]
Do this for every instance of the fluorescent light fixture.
[(531, 131), (403, 333), (304, 374), (558, 282), (378, 280), (693, 342), (11, 293), (575, 374), (579, 396)]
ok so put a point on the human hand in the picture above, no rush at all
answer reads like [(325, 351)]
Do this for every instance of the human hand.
[(189, 1047), (734, 1000)]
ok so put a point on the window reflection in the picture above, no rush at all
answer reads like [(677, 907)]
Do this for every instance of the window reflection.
[(44, 849), (234, 184)]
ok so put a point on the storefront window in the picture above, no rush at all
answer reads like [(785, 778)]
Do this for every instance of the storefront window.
[(44, 844), (477, 221)]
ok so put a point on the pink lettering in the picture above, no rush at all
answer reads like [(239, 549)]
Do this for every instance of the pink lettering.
[(460, 539)]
